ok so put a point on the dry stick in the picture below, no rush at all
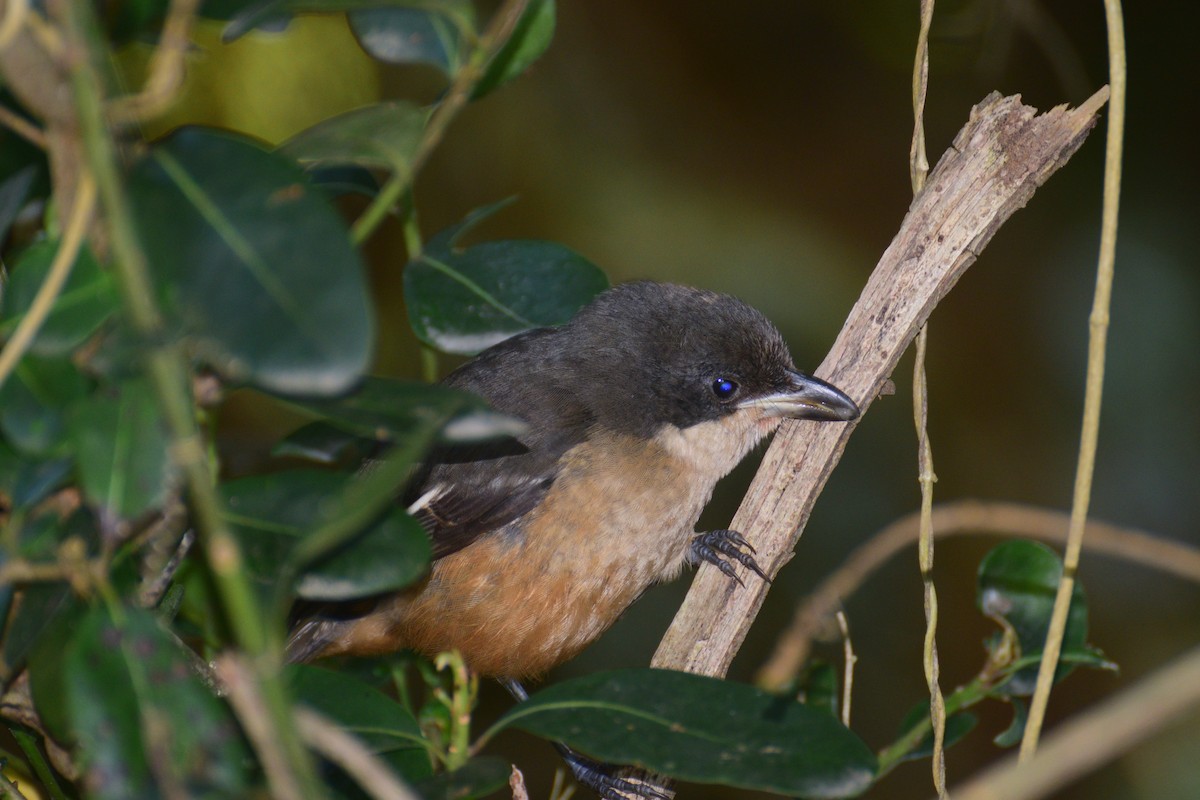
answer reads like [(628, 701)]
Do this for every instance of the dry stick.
[(241, 688), (1097, 339), (849, 660), (998, 160), (1094, 737), (953, 519), (166, 71), (348, 752), (919, 171)]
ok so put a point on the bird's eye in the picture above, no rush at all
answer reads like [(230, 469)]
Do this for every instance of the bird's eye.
[(724, 388)]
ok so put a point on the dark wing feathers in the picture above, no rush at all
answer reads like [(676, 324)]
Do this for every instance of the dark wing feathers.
[(471, 491)]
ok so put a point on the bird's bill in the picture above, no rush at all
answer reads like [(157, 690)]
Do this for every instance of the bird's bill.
[(807, 398)]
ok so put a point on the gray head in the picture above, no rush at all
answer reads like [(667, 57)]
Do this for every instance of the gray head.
[(645, 354)]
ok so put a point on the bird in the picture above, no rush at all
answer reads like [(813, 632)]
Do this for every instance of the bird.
[(635, 408)]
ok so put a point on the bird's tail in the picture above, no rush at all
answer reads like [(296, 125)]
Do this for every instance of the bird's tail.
[(310, 639)]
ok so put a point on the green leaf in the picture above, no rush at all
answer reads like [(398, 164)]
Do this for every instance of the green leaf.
[(25, 481), (382, 136), (41, 604), (253, 263), (325, 444), (389, 409), (134, 699), (87, 299), (35, 403), (121, 446), (818, 687), (1017, 582), (463, 301), (271, 514), (1015, 731), (529, 40), (957, 727), (437, 36), (384, 726), (700, 729), (13, 193), (478, 778), (339, 181)]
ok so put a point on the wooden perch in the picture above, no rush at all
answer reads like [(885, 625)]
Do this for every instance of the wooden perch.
[(997, 161)]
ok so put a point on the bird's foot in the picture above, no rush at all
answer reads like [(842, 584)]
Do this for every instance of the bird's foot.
[(603, 780), (721, 547)]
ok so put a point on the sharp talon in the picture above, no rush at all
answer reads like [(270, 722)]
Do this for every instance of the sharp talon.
[(720, 547), (601, 780)]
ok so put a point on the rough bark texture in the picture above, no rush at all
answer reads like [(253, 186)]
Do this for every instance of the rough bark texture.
[(997, 161)]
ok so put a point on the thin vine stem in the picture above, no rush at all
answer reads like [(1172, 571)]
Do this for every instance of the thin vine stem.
[(1097, 344), (503, 23), (168, 374), (60, 269), (919, 169)]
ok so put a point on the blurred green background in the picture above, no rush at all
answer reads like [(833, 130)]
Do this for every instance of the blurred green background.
[(761, 149)]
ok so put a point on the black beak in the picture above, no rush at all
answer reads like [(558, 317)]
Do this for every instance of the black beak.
[(807, 398)]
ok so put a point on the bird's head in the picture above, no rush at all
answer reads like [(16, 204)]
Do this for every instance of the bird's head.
[(661, 360)]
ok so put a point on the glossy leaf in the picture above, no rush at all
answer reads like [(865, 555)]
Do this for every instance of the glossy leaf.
[(701, 729), (35, 403), (390, 409), (121, 446), (339, 181), (818, 687), (13, 193), (254, 264), (1013, 734), (272, 513), (384, 726), (463, 301), (382, 136), (87, 299), (325, 444), (436, 36), (132, 697), (529, 40), (25, 481), (40, 605), (1016, 586)]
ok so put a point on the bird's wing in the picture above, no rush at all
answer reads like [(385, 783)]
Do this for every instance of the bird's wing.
[(471, 491)]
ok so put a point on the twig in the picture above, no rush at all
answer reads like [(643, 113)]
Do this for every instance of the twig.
[(1097, 341), (22, 127), (251, 710), (349, 753), (997, 162), (849, 660), (15, 13), (56, 278), (919, 170), (1094, 737), (10, 789), (168, 374), (499, 30), (962, 518), (166, 69)]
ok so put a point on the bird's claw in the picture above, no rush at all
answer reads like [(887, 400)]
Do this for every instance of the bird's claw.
[(720, 547), (602, 780)]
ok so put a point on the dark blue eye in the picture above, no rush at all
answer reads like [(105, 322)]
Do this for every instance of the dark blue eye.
[(724, 388)]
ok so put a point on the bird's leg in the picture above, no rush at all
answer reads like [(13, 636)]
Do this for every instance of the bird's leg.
[(720, 547), (598, 777)]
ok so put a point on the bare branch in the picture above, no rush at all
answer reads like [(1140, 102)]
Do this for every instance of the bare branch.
[(997, 161)]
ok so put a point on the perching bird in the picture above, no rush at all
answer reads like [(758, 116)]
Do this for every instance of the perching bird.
[(636, 408)]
